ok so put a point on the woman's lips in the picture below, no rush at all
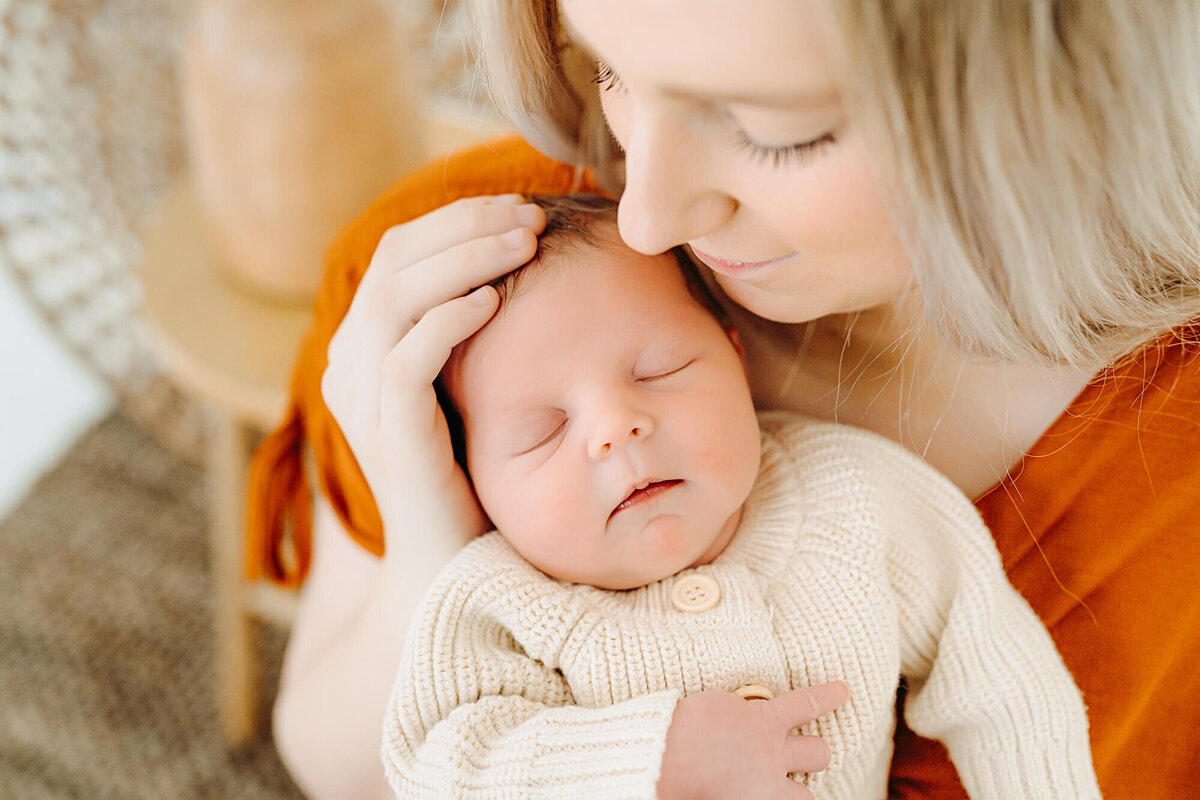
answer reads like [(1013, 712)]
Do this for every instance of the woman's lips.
[(643, 494), (736, 269)]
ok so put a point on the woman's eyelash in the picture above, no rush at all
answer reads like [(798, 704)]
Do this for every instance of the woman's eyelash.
[(605, 78), (783, 155), (776, 156)]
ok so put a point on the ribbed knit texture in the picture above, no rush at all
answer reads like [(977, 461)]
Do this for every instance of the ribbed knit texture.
[(854, 561)]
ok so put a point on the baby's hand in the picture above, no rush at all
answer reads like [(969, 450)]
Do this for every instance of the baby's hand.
[(721, 746), (410, 310)]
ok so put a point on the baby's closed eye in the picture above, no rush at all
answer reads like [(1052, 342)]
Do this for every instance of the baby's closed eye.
[(540, 433), (656, 372)]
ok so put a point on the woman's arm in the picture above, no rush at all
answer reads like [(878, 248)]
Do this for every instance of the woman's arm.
[(340, 663), (413, 305)]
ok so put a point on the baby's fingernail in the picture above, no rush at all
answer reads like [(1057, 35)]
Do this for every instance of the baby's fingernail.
[(482, 296), (514, 238)]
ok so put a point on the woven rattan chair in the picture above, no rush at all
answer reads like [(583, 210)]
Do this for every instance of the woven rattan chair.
[(90, 139), (90, 136)]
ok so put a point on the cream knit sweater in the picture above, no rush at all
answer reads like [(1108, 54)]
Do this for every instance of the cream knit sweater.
[(854, 561)]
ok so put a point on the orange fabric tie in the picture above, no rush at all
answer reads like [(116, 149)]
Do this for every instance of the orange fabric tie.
[(283, 497)]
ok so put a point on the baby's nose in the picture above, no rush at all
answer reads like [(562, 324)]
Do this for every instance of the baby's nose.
[(601, 447), (620, 432)]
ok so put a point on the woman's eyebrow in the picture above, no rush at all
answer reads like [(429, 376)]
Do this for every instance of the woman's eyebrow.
[(812, 99), (815, 100)]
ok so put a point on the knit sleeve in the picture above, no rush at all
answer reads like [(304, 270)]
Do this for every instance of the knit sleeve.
[(983, 674), (473, 714)]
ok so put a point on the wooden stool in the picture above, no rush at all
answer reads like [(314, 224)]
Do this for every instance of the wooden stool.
[(234, 352)]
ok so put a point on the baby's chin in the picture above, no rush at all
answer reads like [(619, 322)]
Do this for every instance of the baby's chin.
[(669, 547), (665, 546), (632, 573)]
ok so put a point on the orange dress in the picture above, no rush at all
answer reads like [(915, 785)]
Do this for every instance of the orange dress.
[(1099, 527)]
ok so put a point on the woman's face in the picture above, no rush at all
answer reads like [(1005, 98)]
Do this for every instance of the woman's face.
[(736, 142)]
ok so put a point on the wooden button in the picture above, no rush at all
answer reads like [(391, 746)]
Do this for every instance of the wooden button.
[(695, 593), (754, 692)]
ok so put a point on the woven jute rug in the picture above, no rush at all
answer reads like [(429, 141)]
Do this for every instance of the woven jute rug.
[(106, 663)]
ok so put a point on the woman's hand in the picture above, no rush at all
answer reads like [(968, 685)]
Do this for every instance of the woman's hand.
[(413, 306), (409, 312), (721, 746)]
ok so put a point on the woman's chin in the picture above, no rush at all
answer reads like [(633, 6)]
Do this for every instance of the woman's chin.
[(793, 306), (773, 305)]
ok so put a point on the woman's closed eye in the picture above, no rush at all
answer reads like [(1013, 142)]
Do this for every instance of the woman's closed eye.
[(781, 155)]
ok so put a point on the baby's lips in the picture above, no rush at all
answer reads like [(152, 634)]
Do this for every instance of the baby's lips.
[(643, 490)]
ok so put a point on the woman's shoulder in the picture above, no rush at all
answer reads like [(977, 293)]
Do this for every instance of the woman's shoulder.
[(1121, 455), (1150, 398), (1161, 374)]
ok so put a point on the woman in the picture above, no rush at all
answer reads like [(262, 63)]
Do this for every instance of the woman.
[(971, 227)]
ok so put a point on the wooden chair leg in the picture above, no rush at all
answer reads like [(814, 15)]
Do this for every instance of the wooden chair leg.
[(236, 671)]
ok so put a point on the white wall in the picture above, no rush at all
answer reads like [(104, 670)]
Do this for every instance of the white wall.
[(47, 397)]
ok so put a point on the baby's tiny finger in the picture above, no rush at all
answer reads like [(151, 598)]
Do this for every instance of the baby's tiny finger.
[(806, 754), (801, 706)]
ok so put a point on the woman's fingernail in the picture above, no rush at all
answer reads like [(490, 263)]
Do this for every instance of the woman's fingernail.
[(482, 296), (514, 238)]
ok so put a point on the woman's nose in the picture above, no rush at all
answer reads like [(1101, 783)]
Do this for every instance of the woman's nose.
[(671, 196), (617, 428)]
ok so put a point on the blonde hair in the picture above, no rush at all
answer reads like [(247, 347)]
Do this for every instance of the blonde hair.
[(1043, 157)]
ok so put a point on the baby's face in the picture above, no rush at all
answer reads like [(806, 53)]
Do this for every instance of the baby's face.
[(610, 432)]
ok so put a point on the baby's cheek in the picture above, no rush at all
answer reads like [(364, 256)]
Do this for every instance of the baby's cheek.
[(541, 509), (723, 463), (558, 512)]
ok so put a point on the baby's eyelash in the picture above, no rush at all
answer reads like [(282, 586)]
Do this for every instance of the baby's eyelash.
[(783, 155), (605, 78), (545, 440), (667, 374)]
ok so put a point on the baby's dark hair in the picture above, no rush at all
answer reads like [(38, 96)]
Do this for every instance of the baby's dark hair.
[(583, 221), (573, 222)]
